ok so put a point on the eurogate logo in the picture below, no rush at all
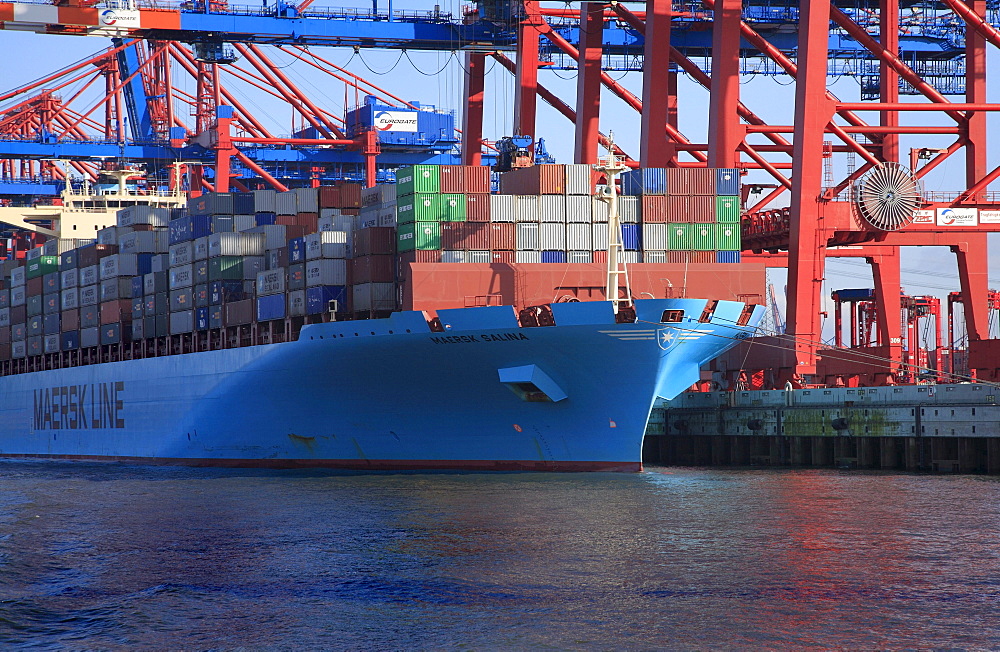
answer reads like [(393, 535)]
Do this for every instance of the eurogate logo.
[(108, 17), (396, 120)]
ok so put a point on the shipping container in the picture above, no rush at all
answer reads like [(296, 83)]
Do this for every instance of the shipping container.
[(727, 209), (578, 208), (656, 237), (90, 295), (271, 307), (229, 224), (599, 233), (503, 237), (503, 257), (41, 266), (579, 256), (326, 271), (386, 216), (654, 255), (727, 256), (327, 244), (477, 256), (69, 320), (527, 256), (526, 208), (117, 333), (50, 303), (70, 340), (654, 209), (727, 182), (503, 208), (452, 208), (727, 237), (553, 257), (598, 210), (115, 311), (262, 219), (69, 259), (144, 242), (374, 269), (527, 237), (701, 209), (113, 289), (452, 178), (552, 208), (579, 179), (545, 179), (376, 241), (552, 236), (680, 236), (271, 282), (306, 200), (34, 345), (220, 292), (420, 235), (477, 207), (644, 181), (181, 300), (18, 296), (703, 238), (631, 237), (373, 297), (297, 303), (18, 277), (418, 208), (238, 244), (263, 200), (450, 256), (224, 268), (297, 276), (240, 312), (285, 203), (181, 322), (118, 265), (211, 203), (34, 303), (702, 257), (138, 308), (478, 235), (319, 298), (18, 350), (418, 179), (477, 180), (188, 228), (50, 324)]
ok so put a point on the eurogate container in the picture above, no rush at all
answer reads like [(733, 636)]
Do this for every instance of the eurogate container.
[(423, 236), (418, 208), (452, 208), (703, 237), (418, 179), (680, 236), (727, 209), (727, 237)]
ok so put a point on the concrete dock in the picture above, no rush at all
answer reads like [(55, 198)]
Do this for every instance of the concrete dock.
[(934, 428)]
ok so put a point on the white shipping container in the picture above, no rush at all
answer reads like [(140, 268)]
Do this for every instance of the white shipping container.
[(503, 208), (18, 296), (653, 256), (69, 278), (552, 208), (116, 288), (387, 216), (274, 235), (144, 242), (236, 244), (598, 210), (579, 209), (526, 208), (578, 179), (159, 263), (631, 257), (600, 234), (181, 276), (628, 209), (329, 212), (527, 236), (527, 256), (552, 236), (17, 276), (90, 295), (90, 275), (388, 193), (370, 197), (579, 237), (181, 254), (479, 257), (326, 244), (263, 201), (109, 234), (656, 236), (271, 281), (32, 254), (243, 223), (452, 256), (143, 214), (181, 322), (326, 271), (59, 246), (336, 223), (306, 200), (374, 296), (69, 299), (51, 343), (285, 204), (200, 248), (297, 303), (117, 265)]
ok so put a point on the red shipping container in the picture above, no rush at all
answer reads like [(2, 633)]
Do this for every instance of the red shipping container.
[(503, 236), (350, 211), (677, 208), (375, 240), (654, 209), (143, 227), (350, 194), (546, 179), (702, 256), (454, 235), (286, 220), (18, 314), (601, 257), (701, 208), (678, 257), (701, 181), (479, 236), (373, 269), (504, 257), (329, 197), (477, 179), (477, 207), (308, 220), (34, 286), (293, 231), (92, 254), (116, 311), (677, 181), (5, 335), (240, 312), (452, 178)]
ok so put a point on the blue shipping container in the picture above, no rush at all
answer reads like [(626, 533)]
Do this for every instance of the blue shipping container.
[(266, 219), (137, 286), (318, 298), (271, 307), (727, 256), (243, 203), (553, 256), (297, 250), (201, 319), (220, 292), (645, 181), (856, 293), (630, 237), (727, 182), (188, 228), (70, 340)]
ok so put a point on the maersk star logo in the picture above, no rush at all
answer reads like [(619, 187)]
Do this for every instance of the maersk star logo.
[(667, 338)]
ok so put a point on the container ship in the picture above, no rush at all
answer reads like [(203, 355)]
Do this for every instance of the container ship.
[(426, 324)]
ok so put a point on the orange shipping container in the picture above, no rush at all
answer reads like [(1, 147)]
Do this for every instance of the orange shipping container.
[(116, 311), (477, 207), (477, 179), (329, 197), (452, 178), (701, 208), (503, 236), (654, 209), (479, 236), (350, 194)]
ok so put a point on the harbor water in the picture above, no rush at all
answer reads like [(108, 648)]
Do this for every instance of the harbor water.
[(111, 557)]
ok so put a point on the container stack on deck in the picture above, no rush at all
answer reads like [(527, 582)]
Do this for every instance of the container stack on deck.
[(242, 263)]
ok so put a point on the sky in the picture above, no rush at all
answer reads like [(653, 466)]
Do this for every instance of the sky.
[(437, 78)]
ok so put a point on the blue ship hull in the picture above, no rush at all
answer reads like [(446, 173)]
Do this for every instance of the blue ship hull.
[(384, 394)]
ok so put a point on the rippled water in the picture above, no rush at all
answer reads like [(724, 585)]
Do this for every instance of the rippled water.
[(105, 556)]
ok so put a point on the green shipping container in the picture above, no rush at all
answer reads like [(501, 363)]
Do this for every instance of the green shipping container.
[(727, 237), (703, 237), (225, 268), (680, 237), (417, 179), (418, 208), (41, 266), (727, 209), (453, 208), (423, 236)]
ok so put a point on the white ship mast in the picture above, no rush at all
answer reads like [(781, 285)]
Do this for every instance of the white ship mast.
[(612, 166)]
